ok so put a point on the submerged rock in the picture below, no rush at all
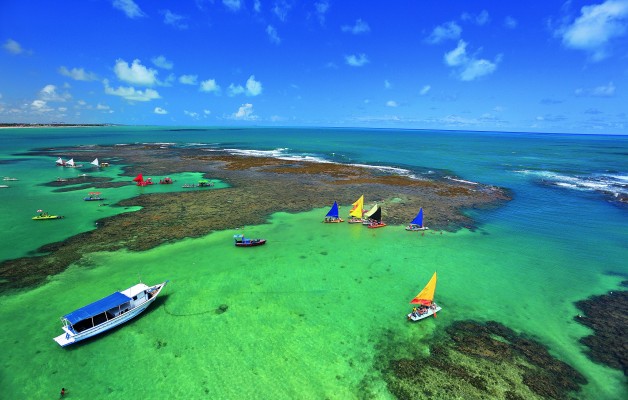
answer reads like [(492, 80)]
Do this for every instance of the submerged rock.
[(482, 361), (607, 315)]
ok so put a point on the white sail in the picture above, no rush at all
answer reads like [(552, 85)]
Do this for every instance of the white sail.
[(70, 162), (95, 162), (60, 161)]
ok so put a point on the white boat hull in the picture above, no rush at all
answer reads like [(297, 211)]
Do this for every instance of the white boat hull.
[(429, 313), (70, 336)]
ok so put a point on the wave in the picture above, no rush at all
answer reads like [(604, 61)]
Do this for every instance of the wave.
[(613, 184)]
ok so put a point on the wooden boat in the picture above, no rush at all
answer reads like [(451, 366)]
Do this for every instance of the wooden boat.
[(333, 215), (44, 216), (241, 241), (357, 211), (376, 219), (417, 223), (107, 313), (425, 300), (93, 196)]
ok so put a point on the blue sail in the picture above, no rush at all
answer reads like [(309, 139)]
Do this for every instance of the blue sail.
[(333, 212), (418, 220)]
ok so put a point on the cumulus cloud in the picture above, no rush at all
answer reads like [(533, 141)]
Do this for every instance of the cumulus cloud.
[(599, 91), (356, 60), (103, 107), (245, 113), (188, 79), (596, 27), (128, 7), (136, 73), (175, 20), (78, 74), (210, 86), (191, 114), (358, 28), (281, 9), (253, 88), (424, 90), (272, 34), (468, 67), (13, 47), (233, 5), (40, 106), (131, 94), (392, 103), (162, 62), (447, 31), (49, 93), (159, 110)]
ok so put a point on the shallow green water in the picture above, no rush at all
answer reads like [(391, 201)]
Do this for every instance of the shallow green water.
[(305, 313)]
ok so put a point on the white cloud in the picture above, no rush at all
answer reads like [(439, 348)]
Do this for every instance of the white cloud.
[(234, 90), (392, 103), (359, 27), (159, 110), (174, 20), (233, 5), (209, 86), (257, 6), (280, 9), (510, 22), (272, 34), (245, 112), (253, 87), (102, 107), (130, 93), (49, 93), (78, 74), (13, 47), (356, 60), (387, 85), (424, 90), (129, 7), (321, 8), (207, 112), (468, 67), (136, 73), (458, 55), (481, 19), (447, 31), (190, 113), (40, 106), (597, 25), (162, 62), (599, 91), (188, 79)]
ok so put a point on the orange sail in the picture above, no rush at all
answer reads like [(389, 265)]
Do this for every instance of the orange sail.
[(427, 294)]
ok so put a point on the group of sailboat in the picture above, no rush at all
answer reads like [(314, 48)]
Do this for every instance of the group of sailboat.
[(371, 218), (71, 164)]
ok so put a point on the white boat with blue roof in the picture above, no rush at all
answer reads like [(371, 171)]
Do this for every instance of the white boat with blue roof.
[(107, 313)]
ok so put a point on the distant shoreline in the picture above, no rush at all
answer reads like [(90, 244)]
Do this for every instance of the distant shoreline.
[(23, 125)]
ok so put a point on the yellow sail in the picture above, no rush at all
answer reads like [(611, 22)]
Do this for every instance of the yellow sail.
[(371, 211), (358, 208), (427, 294)]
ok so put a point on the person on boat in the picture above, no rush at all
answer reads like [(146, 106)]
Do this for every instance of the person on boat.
[(62, 392)]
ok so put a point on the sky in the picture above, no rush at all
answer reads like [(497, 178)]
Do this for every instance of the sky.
[(542, 66)]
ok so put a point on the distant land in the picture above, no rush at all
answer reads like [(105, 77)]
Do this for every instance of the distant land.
[(50, 125)]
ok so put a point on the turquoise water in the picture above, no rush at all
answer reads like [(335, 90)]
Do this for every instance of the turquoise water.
[(307, 311)]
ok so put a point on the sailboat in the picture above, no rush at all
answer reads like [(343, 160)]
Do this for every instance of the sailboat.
[(376, 219), (366, 219), (70, 164), (141, 182), (417, 223), (333, 215), (425, 300), (95, 162), (357, 211), (60, 162)]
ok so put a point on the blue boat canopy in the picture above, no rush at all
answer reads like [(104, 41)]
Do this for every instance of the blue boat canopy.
[(97, 307)]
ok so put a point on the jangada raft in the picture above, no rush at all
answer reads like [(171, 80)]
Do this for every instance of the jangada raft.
[(241, 241), (333, 215), (425, 301), (44, 216), (107, 313), (417, 223)]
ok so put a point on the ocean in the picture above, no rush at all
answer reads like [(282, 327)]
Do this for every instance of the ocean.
[(309, 312)]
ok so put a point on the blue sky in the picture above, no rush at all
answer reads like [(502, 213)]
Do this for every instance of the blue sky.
[(424, 64)]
